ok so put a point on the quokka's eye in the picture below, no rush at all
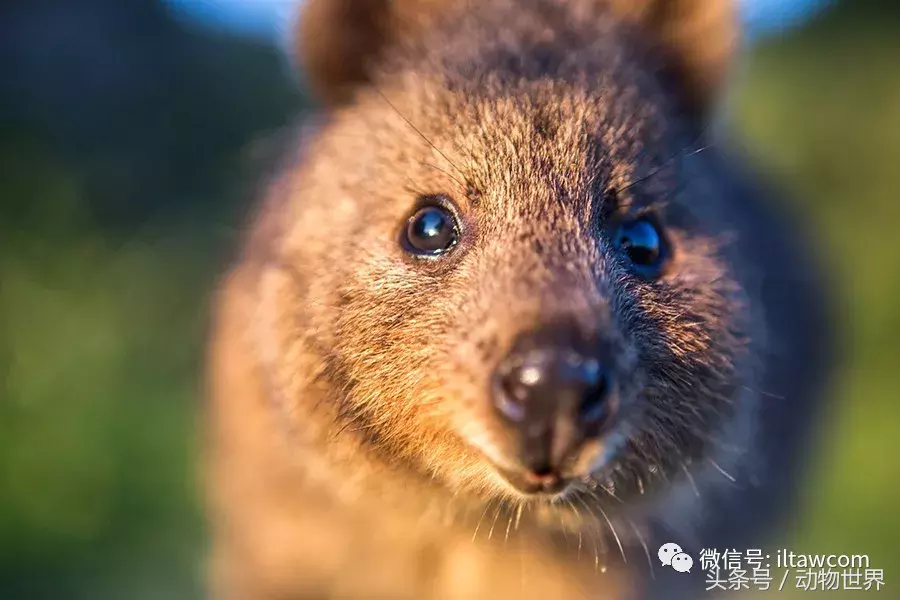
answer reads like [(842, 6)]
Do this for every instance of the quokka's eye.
[(431, 230), (642, 241)]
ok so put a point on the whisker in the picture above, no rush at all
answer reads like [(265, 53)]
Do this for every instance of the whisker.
[(416, 129), (444, 171), (412, 187), (722, 471), (494, 522), (612, 494), (562, 526), (668, 162), (480, 519), (577, 514), (678, 155), (609, 523), (690, 478), (643, 543), (765, 393), (593, 539), (615, 534)]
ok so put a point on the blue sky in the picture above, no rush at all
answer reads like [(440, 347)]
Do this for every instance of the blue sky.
[(267, 18)]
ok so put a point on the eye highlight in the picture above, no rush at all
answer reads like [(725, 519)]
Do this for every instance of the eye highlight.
[(641, 240), (431, 231)]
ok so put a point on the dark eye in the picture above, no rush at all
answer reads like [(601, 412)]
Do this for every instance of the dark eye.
[(642, 241), (431, 230)]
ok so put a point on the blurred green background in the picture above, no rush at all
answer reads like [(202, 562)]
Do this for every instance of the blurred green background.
[(129, 153)]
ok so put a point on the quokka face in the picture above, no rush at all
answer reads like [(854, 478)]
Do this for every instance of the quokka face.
[(512, 265)]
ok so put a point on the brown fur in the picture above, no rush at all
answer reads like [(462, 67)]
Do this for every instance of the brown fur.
[(353, 452)]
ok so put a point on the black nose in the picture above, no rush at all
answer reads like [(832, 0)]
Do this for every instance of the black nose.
[(554, 388)]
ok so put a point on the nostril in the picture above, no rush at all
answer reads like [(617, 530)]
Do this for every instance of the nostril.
[(516, 386), (511, 397), (593, 407)]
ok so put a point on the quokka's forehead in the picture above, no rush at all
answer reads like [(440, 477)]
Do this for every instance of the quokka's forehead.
[(519, 40), (596, 109), (531, 76), (544, 134)]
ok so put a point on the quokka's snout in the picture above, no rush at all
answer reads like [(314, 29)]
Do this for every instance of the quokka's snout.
[(555, 391)]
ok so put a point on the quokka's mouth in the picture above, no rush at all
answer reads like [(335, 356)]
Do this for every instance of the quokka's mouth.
[(548, 483)]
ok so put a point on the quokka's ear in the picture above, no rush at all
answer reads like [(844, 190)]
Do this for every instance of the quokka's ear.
[(698, 40), (337, 41)]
